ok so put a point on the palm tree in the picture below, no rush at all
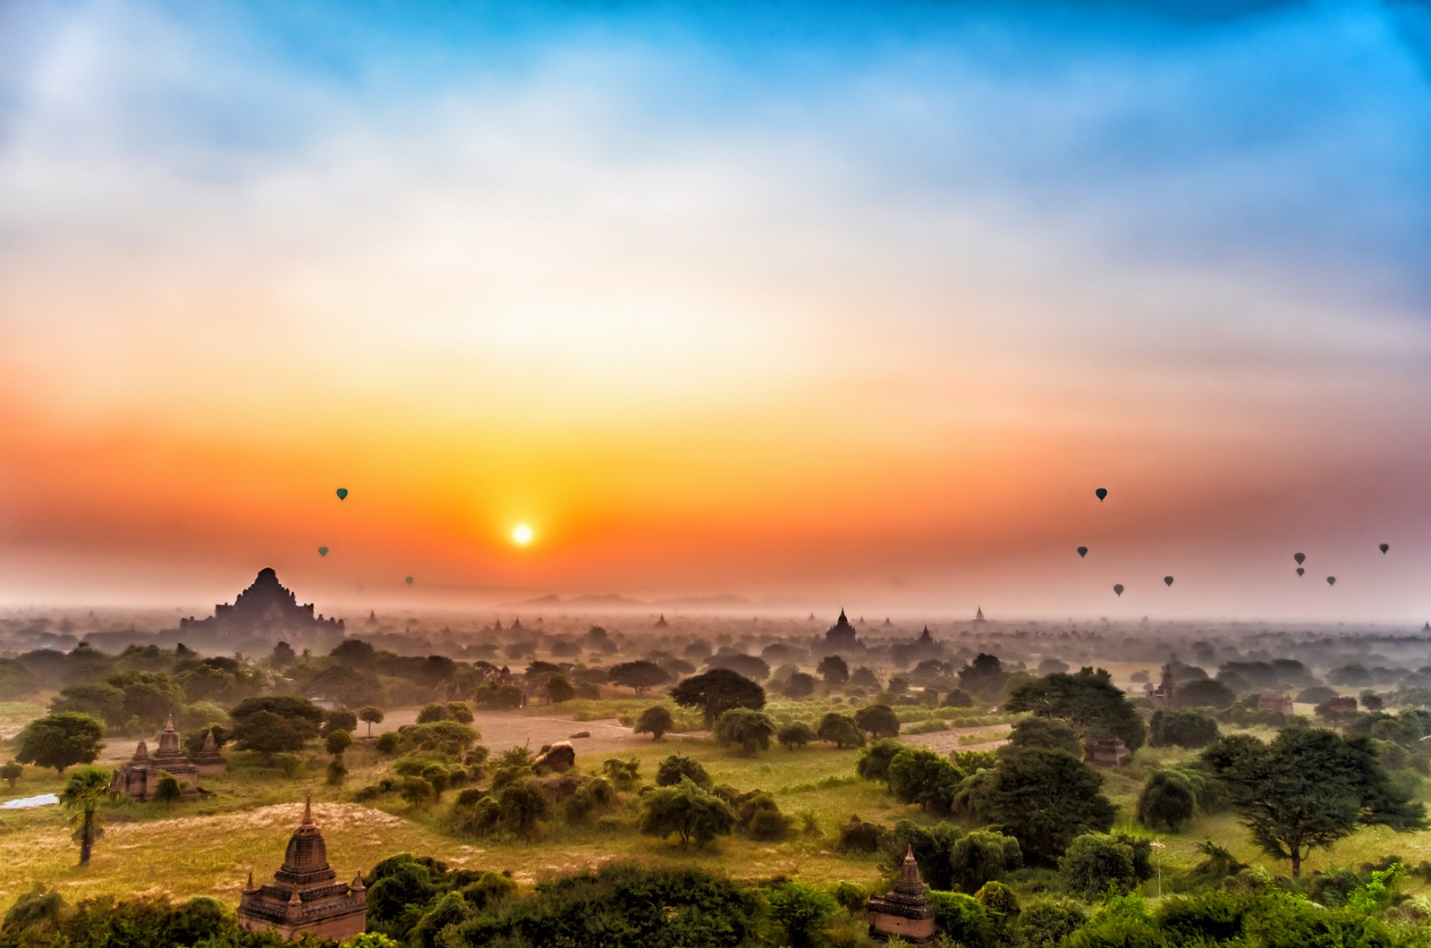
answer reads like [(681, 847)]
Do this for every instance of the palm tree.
[(87, 789)]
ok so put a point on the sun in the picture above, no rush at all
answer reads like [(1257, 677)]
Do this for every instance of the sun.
[(522, 534)]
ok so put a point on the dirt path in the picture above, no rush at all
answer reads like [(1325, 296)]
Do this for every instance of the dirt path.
[(944, 742)]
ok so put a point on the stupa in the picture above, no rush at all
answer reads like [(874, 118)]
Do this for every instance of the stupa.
[(140, 777), (904, 911), (305, 896), (841, 634), (264, 607), (209, 760)]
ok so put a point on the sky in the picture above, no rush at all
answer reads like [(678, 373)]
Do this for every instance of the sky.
[(821, 304)]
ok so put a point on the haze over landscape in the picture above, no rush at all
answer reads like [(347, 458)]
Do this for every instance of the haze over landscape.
[(811, 305)]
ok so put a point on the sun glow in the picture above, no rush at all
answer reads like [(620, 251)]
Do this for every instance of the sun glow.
[(522, 534)]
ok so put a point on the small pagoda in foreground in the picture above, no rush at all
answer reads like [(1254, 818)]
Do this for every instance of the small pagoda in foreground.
[(305, 896), (904, 911)]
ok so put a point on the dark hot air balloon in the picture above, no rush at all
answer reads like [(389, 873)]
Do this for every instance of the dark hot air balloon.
[(1331, 580), (1101, 492), (408, 580), (342, 493), (1300, 571), (1082, 551), (1168, 580), (322, 551), (1118, 588), (1384, 547), (1300, 558)]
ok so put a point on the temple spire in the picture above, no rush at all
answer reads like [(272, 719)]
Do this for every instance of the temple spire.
[(308, 810)]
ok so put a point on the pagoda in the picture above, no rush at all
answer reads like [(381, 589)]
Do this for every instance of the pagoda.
[(140, 777), (904, 911), (264, 607), (841, 634), (305, 896), (208, 760)]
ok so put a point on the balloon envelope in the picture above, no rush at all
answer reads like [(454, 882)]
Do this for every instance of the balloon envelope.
[(1168, 580), (322, 551), (1331, 580), (409, 580), (1101, 492), (1300, 571), (342, 493), (1083, 551), (1118, 588), (1385, 547), (1300, 558)]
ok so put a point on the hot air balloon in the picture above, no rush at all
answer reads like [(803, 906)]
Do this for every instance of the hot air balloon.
[(1300, 571), (1384, 547), (322, 551), (1118, 588), (1168, 580), (1331, 580), (408, 580), (1082, 551), (342, 493), (1101, 492), (1300, 558)]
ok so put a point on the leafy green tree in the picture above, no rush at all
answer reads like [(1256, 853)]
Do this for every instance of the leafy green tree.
[(639, 676), (800, 685), (688, 811), (432, 712), (1173, 728), (803, 911), (99, 700), (1087, 701), (559, 689), (59, 740), (717, 691), (1095, 861), (337, 742), (678, 767), (655, 721), (1047, 734), (11, 772), (1169, 799), (983, 856), (840, 730), (833, 669), (371, 715), (750, 730), (340, 719), (1048, 922), (84, 793), (919, 775), (793, 735), (1308, 789), (1045, 799), (168, 791), (933, 847), (874, 762), (983, 677), (878, 720), (1205, 693)]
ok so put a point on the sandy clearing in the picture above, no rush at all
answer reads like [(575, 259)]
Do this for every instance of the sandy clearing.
[(944, 742)]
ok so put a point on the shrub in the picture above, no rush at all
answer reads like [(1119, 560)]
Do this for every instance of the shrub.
[(1169, 728), (1045, 924), (678, 767), (1094, 862), (857, 836), (760, 818), (981, 857), (1168, 801), (794, 735), (388, 742)]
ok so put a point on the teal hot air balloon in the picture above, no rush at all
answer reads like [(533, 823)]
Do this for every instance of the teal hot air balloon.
[(408, 580), (1168, 580), (1300, 571), (1384, 547), (1118, 588), (1331, 580), (342, 493), (1300, 558), (1101, 493), (1082, 552), (322, 551)]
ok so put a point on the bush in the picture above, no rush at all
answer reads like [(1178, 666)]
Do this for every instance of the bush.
[(655, 721), (857, 836), (678, 767), (802, 911), (1047, 923), (1167, 802), (1182, 729), (1094, 862), (750, 730), (760, 818), (874, 762), (337, 773), (981, 857), (794, 735), (388, 742)]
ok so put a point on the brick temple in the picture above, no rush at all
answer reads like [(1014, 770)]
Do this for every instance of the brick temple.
[(305, 896), (904, 911), (139, 778)]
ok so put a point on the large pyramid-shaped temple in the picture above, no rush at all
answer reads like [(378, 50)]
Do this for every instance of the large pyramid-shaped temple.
[(264, 607)]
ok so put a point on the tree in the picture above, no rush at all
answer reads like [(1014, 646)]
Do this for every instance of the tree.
[(1045, 799), (1095, 861), (833, 669), (984, 676), (10, 773), (981, 857), (639, 676), (795, 734), (275, 724), (59, 740), (1207, 693), (802, 911), (282, 656), (345, 685), (1182, 729), (1168, 800), (168, 791), (717, 691), (676, 768), (655, 721), (559, 689), (337, 742), (82, 796), (919, 775), (1308, 789), (874, 762), (371, 715), (340, 719), (433, 711), (877, 719), (751, 730), (101, 701), (1087, 701), (800, 685), (688, 811), (840, 730), (1047, 734)]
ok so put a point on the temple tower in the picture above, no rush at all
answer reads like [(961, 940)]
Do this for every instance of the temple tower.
[(904, 911), (305, 896)]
